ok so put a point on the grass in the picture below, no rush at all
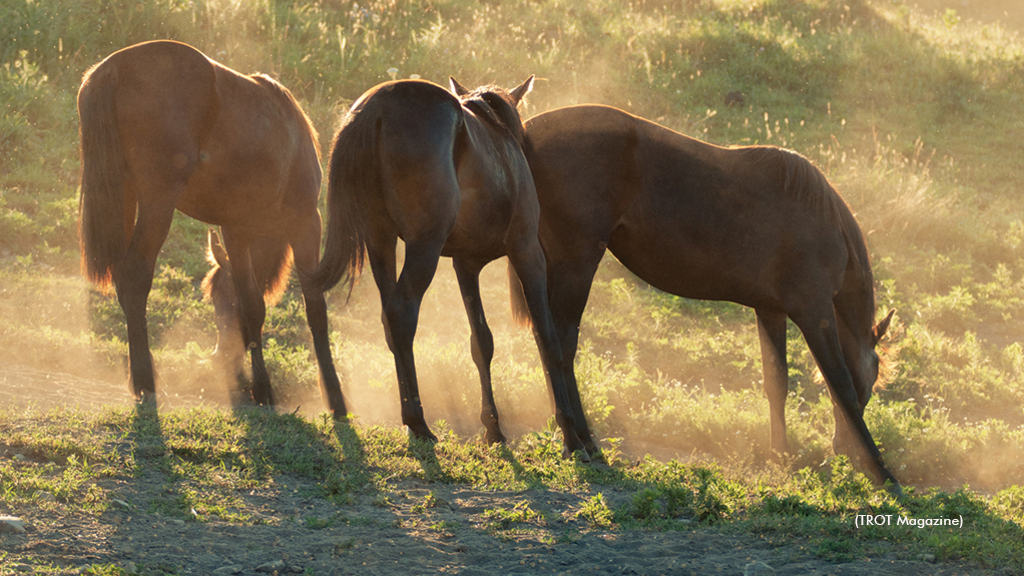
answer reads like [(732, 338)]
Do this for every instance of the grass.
[(914, 116), (208, 457)]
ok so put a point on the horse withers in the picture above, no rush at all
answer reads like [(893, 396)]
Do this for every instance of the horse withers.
[(163, 127), (445, 173), (758, 225)]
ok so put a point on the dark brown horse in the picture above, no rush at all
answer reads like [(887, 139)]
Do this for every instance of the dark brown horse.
[(758, 225), (163, 128), (447, 175)]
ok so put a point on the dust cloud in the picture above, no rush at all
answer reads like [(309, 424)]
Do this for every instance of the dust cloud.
[(1007, 13), (75, 369)]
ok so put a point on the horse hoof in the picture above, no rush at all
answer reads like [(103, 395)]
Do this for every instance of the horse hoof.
[(579, 454), (423, 433), (493, 438), (894, 489)]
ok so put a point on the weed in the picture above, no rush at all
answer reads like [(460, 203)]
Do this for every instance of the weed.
[(596, 512), (429, 501), (503, 518)]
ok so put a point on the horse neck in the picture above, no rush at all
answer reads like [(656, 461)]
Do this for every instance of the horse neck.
[(855, 302), (496, 141), (501, 116)]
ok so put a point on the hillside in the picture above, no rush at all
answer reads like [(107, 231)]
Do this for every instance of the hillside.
[(911, 108), (912, 111)]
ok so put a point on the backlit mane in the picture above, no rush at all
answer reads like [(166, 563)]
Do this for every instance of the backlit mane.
[(494, 105)]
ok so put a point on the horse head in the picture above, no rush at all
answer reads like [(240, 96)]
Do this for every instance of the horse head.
[(516, 94), (859, 350), (496, 104), (219, 288)]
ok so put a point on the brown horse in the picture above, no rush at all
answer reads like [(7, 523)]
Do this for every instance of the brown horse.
[(163, 128), (446, 174), (758, 225)]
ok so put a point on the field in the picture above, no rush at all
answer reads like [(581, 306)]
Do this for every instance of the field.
[(911, 109)]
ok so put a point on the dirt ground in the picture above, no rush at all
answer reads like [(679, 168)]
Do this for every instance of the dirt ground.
[(302, 534)]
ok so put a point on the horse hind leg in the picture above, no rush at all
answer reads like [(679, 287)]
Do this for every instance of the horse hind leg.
[(771, 329), (401, 316), (133, 280), (307, 255), (569, 278), (482, 342)]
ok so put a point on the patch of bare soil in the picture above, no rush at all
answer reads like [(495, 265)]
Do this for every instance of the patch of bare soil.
[(416, 528)]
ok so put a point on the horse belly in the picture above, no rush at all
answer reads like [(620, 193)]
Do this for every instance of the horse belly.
[(239, 182), (485, 206), (754, 265), (689, 273), (227, 196)]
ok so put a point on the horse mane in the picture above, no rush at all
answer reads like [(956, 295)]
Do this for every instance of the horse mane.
[(801, 180), (805, 183), (494, 105)]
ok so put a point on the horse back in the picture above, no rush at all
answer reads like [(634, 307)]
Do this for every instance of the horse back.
[(586, 167), (259, 150), (691, 218)]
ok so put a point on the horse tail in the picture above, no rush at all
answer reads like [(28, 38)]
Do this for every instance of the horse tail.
[(353, 174), (103, 229), (517, 298)]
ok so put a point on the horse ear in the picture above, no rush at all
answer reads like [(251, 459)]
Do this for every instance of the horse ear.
[(217, 251), (520, 92), (882, 327), (457, 89)]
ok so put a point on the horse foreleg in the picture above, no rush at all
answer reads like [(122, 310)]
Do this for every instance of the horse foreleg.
[(531, 266), (818, 325), (569, 282), (252, 313), (482, 342), (771, 329)]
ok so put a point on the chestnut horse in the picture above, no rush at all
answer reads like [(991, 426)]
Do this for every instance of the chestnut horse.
[(758, 225), (163, 128), (446, 174)]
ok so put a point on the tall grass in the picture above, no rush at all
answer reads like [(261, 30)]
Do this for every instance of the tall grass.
[(914, 116)]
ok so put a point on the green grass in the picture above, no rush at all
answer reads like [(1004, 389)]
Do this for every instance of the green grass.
[(914, 115), (208, 457)]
